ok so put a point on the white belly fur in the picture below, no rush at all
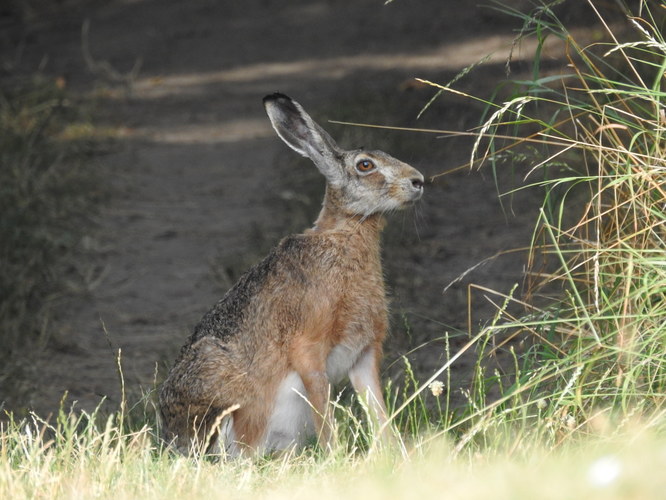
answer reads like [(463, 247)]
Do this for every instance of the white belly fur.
[(339, 362), (291, 422)]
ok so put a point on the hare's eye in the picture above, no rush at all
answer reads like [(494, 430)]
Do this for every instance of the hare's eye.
[(365, 166)]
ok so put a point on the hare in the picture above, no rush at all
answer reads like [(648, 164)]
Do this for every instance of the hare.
[(256, 373)]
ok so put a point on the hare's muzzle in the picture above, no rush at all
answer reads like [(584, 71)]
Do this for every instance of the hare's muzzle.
[(417, 181)]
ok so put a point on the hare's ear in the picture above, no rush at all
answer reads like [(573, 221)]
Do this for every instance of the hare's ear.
[(302, 134)]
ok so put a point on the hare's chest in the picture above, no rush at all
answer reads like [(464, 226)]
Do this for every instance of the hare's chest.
[(361, 321)]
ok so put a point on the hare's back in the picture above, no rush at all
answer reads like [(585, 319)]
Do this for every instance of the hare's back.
[(272, 289)]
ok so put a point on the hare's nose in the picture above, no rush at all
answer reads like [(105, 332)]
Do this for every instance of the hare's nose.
[(417, 182)]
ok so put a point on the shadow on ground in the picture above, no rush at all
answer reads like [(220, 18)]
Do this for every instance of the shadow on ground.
[(203, 187)]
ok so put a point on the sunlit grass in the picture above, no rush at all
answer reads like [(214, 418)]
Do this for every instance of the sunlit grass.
[(83, 457)]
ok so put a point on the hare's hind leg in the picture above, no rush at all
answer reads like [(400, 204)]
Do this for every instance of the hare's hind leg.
[(199, 396)]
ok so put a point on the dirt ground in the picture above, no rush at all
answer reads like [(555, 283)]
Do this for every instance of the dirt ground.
[(203, 186)]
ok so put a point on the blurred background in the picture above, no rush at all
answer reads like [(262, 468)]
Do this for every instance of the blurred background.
[(140, 176)]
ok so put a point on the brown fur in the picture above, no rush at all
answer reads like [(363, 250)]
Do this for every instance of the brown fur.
[(315, 291)]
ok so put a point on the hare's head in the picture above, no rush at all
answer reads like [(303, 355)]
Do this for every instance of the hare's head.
[(359, 182)]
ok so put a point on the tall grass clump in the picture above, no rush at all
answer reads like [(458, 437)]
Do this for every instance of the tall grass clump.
[(592, 139), (48, 189)]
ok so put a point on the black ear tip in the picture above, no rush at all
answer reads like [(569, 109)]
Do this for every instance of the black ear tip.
[(276, 96)]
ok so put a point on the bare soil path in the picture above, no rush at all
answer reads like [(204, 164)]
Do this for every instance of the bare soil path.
[(200, 177)]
